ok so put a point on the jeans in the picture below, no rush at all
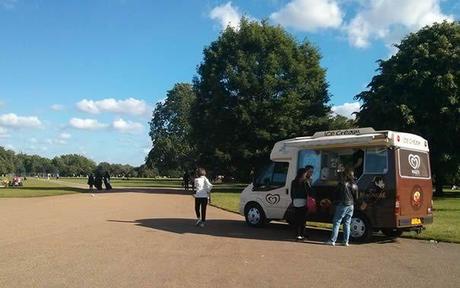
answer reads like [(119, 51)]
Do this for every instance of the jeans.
[(342, 212), (201, 203)]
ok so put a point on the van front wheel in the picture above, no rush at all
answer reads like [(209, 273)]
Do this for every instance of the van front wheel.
[(360, 228), (254, 215)]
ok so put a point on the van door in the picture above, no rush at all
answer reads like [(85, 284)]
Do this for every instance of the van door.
[(270, 189), (414, 188)]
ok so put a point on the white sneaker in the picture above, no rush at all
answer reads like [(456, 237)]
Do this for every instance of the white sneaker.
[(346, 244), (330, 243), (300, 237), (198, 221), (201, 224)]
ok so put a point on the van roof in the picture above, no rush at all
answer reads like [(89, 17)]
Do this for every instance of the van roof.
[(349, 138)]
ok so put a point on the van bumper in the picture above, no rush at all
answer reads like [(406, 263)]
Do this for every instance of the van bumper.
[(407, 222)]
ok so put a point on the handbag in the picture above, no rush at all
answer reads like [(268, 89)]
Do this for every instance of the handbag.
[(311, 205)]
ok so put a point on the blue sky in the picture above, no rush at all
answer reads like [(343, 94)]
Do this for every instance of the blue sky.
[(83, 76)]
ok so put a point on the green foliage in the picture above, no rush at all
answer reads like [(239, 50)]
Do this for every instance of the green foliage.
[(170, 129), (417, 91), (73, 165), (255, 86)]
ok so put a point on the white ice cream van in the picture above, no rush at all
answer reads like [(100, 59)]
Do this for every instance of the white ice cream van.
[(392, 171)]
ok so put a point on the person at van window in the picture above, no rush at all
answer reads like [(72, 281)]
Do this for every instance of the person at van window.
[(300, 188), (345, 195), (202, 194), (358, 163)]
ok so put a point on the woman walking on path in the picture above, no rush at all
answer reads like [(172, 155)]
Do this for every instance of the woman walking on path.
[(346, 193), (202, 193)]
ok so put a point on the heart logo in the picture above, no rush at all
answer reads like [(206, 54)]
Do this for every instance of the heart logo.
[(414, 161), (272, 198)]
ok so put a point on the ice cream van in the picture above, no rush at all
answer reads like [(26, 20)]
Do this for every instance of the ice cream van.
[(392, 171)]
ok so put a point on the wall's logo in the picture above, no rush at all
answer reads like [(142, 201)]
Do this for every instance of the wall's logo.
[(417, 197), (414, 161), (272, 198)]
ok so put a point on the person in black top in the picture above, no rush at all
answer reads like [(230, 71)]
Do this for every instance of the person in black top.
[(98, 181), (91, 181), (300, 188), (346, 193), (186, 180), (107, 184)]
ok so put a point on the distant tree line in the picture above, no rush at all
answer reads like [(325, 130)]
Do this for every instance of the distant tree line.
[(64, 165)]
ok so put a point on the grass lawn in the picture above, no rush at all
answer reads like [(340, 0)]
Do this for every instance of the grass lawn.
[(446, 223), (445, 227), (36, 188)]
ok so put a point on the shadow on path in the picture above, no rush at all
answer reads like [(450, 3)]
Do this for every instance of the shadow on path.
[(238, 229)]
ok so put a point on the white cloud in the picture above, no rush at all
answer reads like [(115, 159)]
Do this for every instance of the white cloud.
[(57, 107), (347, 109), (12, 120), (127, 126), (389, 20), (33, 140), (309, 15), (129, 106), (86, 124), (226, 15), (8, 4), (4, 133), (65, 136)]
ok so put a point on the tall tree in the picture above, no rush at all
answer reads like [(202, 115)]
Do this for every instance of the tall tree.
[(417, 91), (172, 152), (255, 86)]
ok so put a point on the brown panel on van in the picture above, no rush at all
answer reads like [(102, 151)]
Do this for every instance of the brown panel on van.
[(413, 187)]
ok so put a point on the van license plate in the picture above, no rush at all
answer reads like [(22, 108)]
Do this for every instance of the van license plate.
[(415, 221)]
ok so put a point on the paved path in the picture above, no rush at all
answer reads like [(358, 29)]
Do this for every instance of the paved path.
[(149, 240)]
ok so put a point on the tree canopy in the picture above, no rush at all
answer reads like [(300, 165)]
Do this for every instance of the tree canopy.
[(417, 90), (172, 151), (255, 86)]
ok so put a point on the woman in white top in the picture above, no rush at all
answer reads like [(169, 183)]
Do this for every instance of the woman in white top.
[(202, 191)]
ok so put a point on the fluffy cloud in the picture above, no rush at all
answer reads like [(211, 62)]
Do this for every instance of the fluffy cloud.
[(12, 120), (4, 133), (227, 15), (57, 107), (309, 15), (129, 106), (65, 136), (7, 4), (86, 124), (391, 19), (347, 109), (127, 126)]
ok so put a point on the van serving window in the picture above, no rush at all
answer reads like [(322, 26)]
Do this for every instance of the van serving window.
[(376, 161)]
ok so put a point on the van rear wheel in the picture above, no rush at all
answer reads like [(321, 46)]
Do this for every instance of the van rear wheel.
[(254, 215), (390, 232), (360, 228)]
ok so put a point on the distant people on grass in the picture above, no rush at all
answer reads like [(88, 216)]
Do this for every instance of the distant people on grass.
[(202, 195), (106, 179), (91, 182), (98, 181), (186, 180), (345, 196)]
